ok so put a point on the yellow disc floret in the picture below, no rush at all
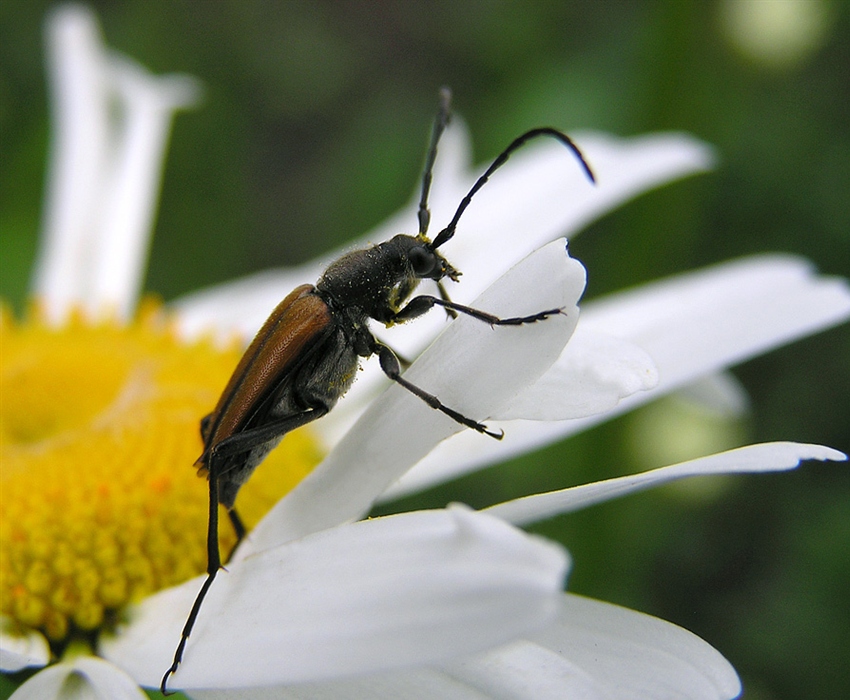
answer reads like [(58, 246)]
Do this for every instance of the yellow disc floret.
[(99, 501)]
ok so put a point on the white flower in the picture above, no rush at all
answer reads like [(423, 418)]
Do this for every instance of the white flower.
[(447, 603)]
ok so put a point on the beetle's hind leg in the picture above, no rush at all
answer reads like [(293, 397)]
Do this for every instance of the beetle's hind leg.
[(213, 565), (217, 459), (390, 366)]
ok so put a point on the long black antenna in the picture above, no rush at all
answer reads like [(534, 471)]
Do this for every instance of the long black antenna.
[(518, 142), (440, 124)]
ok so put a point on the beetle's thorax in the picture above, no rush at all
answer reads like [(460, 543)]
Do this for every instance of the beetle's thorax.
[(378, 280)]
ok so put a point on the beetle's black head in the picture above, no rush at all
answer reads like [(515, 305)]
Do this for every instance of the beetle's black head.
[(378, 280), (426, 262)]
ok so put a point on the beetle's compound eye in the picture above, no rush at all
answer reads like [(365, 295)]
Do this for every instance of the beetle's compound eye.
[(422, 260)]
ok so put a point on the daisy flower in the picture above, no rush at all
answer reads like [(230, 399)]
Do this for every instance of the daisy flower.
[(103, 522)]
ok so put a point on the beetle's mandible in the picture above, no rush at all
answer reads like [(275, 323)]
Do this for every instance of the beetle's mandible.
[(305, 356)]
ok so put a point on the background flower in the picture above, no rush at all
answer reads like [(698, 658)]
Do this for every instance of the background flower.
[(323, 97)]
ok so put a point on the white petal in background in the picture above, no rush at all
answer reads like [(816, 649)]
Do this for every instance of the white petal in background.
[(721, 311), (110, 124), (542, 193), (765, 457), (691, 325), (721, 394), (593, 374), (378, 594), (86, 678), (78, 155), (471, 367), (132, 182)]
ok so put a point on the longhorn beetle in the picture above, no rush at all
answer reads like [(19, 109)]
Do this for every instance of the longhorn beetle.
[(307, 352)]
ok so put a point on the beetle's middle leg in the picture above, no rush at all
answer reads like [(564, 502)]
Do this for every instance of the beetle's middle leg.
[(239, 528), (390, 366)]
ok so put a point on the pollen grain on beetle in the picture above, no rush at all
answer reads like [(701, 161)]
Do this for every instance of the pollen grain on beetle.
[(98, 437)]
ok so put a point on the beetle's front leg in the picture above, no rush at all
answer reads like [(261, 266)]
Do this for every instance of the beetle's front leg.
[(444, 295), (424, 303)]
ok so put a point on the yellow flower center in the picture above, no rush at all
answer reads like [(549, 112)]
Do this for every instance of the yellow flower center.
[(99, 431)]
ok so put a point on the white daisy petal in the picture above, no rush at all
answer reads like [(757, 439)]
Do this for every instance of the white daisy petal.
[(409, 684), (523, 670), (465, 368), (765, 457), (377, 594), (593, 374), (593, 650), (18, 651), (743, 307), (78, 152), (105, 169), (721, 394), (84, 677), (632, 656), (691, 325), (131, 186), (628, 167), (519, 671)]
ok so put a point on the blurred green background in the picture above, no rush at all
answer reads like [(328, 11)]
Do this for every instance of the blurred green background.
[(313, 130)]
